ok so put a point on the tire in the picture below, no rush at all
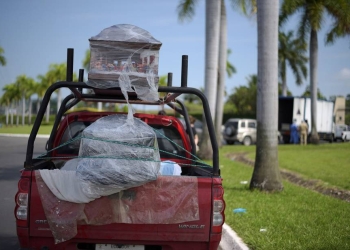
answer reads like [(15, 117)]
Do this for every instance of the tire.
[(230, 131), (229, 142), (247, 141)]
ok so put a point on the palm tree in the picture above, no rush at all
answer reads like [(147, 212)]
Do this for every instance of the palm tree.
[(86, 60), (221, 74), (291, 52), (44, 84), (57, 72), (312, 14), (266, 174), (5, 100), (2, 58), (25, 86), (186, 10), (12, 95)]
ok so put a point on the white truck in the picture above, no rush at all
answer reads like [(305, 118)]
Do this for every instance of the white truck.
[(299, 109)]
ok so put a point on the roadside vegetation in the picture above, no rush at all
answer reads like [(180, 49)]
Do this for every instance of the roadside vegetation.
[(297, 218)]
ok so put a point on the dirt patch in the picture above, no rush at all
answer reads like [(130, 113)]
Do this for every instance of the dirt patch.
[(315, 185)]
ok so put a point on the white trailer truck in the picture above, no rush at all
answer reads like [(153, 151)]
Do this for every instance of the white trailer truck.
[(299, 108)]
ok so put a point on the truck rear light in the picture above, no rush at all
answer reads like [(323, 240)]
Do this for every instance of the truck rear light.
[(21, 210), (22, 199), (218, 206), (21, 213), (218, 217)]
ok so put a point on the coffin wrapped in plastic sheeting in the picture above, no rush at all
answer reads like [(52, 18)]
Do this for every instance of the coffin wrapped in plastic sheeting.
[(124, 51), (116, 152), (116, 155)]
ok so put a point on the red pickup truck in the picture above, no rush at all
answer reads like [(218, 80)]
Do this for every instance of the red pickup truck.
[(171, 212)]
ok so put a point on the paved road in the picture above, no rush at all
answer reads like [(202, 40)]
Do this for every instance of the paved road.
[(12, 156)]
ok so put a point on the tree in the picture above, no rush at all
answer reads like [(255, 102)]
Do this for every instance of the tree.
[(266, 174), (186, 10), (44, 84), (57, 72), (244, 98), (307, 93), (25, 87), (291, 51), (2, 58), (221, 74), (86, 60), (12, 96), (5, 100), (312, 14)]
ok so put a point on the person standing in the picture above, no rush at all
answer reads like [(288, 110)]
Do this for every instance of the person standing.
[(303, 129), (294, 135)]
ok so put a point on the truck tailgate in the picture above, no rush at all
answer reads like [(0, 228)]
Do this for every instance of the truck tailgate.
[(194, 230)]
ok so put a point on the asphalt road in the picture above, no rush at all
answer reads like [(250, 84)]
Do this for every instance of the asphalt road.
[(12, 156)]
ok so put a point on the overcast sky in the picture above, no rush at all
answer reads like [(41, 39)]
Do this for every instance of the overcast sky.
[(36, 33)]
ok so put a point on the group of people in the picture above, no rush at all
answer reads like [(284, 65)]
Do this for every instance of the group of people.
[(299, 132)]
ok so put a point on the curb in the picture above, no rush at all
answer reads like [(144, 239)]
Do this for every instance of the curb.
[(230, 240), (24, 135)]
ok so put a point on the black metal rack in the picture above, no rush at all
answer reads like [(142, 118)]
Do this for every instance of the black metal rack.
[(115, 95)]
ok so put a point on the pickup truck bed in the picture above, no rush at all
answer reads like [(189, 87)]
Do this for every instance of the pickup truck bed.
[(171, 212)]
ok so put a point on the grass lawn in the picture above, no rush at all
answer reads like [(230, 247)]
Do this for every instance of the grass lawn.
[(327, 162), (43, 130), (296, 218)]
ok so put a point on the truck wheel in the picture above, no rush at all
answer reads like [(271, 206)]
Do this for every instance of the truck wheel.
[(247, 141)]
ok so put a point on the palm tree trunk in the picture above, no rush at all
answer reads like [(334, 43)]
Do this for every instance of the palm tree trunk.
[(17, 114), (23, 108), (212, 26), (38, 105), (30, 111), (266, 175), (7, 114), (221, 76), (11, 109), (59, 99), (284, 79), (313, 85), (48, 113)]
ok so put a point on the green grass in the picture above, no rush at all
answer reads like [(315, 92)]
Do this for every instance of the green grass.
[(295, 218), (327, 162), (26, 129)]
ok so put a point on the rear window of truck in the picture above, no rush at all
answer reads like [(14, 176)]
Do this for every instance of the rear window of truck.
[(169, 140)]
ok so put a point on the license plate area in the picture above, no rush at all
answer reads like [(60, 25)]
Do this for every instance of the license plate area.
[(117, 246)]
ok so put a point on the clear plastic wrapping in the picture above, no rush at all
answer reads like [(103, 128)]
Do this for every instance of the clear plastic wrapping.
[(126, 53), (168, 200), (116, 152)]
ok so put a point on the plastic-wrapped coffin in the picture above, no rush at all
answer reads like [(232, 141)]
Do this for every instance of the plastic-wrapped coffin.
[(125, 51), (115, 154)]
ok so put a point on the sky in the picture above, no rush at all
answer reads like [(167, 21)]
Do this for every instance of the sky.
[(35, 34)]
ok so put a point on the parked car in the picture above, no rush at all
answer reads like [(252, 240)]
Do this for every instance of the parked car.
[(345, 134), (341, 132), (240, 130)]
